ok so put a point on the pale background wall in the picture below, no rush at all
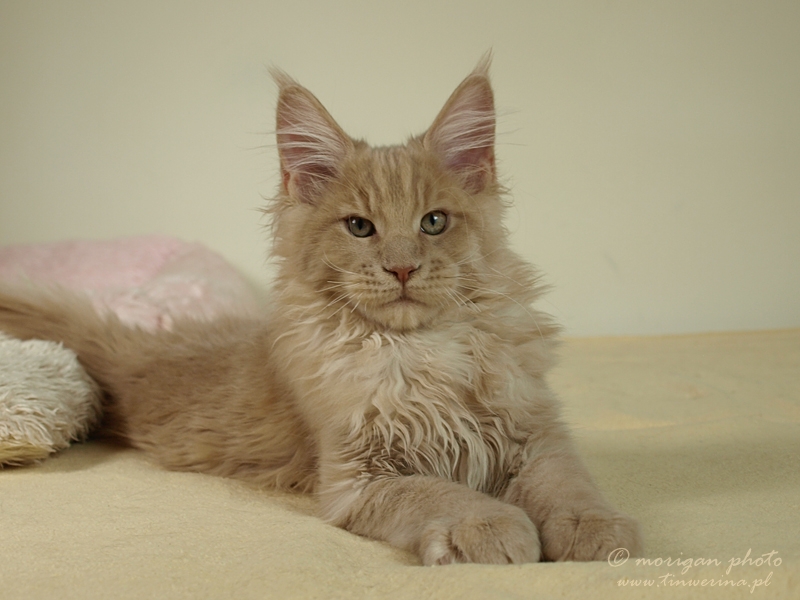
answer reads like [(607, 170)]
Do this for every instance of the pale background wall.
[(653, 149)]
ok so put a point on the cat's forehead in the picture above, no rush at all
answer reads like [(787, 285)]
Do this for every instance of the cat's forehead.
[(392, 181)]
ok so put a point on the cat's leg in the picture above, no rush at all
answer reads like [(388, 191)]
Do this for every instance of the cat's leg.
[(574, 521), (441, 521)]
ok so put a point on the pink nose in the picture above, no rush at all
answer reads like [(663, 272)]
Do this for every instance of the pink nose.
[(402, 273)]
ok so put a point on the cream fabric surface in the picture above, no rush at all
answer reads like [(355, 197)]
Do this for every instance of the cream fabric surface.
[(697, 436)]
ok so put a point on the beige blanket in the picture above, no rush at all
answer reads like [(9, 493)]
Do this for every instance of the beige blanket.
[(697, 436)]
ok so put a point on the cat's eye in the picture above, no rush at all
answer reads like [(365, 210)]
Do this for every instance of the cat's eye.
[(360, 227), (434, 222)]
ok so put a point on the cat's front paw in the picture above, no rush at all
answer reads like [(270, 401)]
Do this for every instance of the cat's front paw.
[(591, 534), (499, 534)]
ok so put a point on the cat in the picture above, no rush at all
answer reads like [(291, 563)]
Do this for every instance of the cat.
[(399, 371)]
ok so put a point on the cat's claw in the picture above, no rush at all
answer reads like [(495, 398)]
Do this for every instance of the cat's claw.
[(592, 534), (503, 535)]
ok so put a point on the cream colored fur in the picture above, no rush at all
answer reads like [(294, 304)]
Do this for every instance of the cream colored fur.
[(399, 376)]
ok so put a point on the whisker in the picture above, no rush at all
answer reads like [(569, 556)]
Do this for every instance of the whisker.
[(332, 287), (344, 304), (503, 275), (506, 296), (328, 262), (470, 257), (334, 301)]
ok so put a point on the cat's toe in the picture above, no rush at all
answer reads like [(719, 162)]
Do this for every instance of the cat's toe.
[(589, 535), (504, 536)]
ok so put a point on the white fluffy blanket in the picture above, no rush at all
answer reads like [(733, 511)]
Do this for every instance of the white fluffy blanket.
[(46, 400)]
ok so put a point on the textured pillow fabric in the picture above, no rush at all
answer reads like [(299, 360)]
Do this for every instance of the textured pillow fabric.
[(145, 280), (46, 399)]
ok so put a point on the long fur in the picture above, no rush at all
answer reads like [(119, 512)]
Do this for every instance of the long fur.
[(415, 409), (194, 397)]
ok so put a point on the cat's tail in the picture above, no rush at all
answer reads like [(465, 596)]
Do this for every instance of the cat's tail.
[(59, 315)]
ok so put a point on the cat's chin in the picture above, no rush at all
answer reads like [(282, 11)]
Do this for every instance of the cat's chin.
[(402, 314)]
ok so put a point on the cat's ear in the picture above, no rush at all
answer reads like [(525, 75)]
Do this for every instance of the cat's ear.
[(311, 145), (463, 132)]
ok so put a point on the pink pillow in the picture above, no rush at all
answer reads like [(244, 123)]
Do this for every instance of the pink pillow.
[(145, 280)]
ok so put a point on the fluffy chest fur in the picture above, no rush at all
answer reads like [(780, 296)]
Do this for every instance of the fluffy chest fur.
[(447, 402), (436, 407)]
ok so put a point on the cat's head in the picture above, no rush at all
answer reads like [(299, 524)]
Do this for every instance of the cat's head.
[(399, 235)]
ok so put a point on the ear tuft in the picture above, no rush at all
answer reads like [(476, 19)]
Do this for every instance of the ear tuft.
[(311, 145), (463, 133)]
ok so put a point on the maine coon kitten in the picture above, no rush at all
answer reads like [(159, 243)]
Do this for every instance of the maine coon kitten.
[(399, 374)]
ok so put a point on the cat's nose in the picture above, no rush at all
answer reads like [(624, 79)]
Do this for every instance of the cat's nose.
[(402, 273)]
